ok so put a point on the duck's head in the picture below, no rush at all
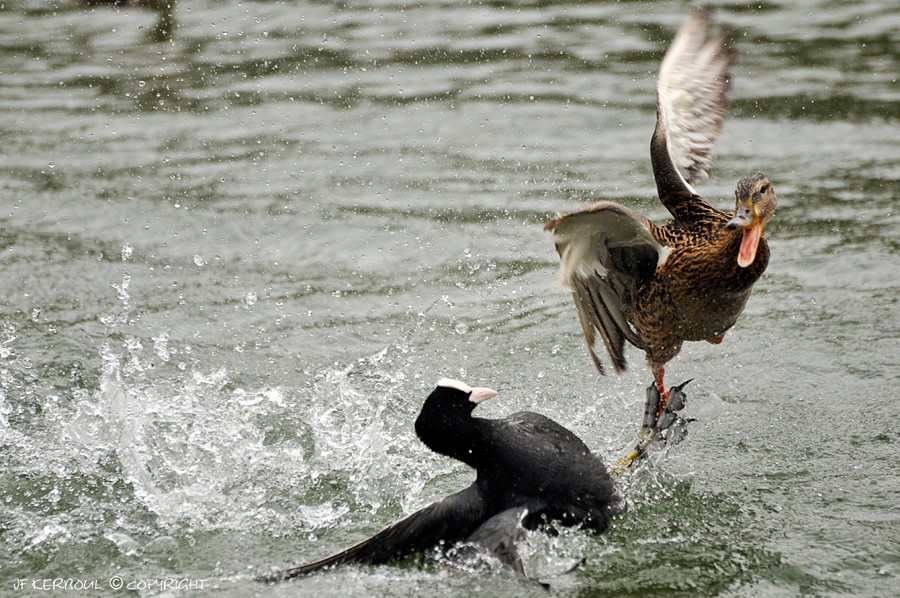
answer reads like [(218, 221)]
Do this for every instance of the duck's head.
[(445, 422), (754, 206)]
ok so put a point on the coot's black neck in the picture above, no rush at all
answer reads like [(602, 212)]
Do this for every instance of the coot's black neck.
[(446, 426)]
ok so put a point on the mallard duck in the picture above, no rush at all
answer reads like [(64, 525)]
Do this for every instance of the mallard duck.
[(689, 279)]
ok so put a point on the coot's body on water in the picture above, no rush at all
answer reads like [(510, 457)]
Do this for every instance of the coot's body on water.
[(530, 469)]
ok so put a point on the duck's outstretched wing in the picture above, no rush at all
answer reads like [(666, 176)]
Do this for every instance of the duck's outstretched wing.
[(691, 90), (605, 251), (450, 520)]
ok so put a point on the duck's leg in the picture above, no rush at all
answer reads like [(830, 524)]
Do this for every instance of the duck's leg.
[(651, 411), (648, 431), (658, 374)]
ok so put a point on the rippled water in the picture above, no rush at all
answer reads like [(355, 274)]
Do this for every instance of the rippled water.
[(234, 262)]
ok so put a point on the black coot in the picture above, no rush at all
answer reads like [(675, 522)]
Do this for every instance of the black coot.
[(530, 469)]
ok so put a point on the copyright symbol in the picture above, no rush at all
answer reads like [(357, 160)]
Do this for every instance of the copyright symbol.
[(115, 582)]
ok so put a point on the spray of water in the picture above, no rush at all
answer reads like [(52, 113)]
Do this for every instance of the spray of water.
[(199, 452)]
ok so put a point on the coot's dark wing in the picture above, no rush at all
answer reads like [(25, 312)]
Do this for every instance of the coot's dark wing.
[(498, 537), (550, 470), (449, 520), (534, 439), (605, 250)]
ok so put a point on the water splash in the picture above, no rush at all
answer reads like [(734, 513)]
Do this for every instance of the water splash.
[(15, 375), (353, 436), (198, 450), (191, 450), (186, 448), (160, 347), (549, 554)]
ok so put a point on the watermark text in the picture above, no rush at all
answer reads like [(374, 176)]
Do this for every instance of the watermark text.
[(115, 582)]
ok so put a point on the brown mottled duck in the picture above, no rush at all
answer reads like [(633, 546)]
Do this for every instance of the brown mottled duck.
[(689, 279)]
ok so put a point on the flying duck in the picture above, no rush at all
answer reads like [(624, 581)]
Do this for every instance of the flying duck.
[(657, 286)]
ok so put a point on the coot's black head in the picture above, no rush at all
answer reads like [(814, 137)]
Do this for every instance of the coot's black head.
[(445, 423)]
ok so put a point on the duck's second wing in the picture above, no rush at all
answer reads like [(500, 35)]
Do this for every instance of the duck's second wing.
[(605, 251), (447, 521)]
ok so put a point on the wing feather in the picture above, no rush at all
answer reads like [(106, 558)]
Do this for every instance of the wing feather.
[(602, 318), (449, 521), (691, 92), (498, 537), (606, 251)]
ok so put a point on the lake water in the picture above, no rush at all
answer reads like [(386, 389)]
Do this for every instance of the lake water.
[(235, 261)]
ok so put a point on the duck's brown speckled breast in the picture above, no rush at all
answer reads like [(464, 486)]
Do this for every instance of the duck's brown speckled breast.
[(705, 287)]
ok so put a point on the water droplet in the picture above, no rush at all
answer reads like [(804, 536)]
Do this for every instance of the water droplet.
[(160, 346), (161, 545)]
